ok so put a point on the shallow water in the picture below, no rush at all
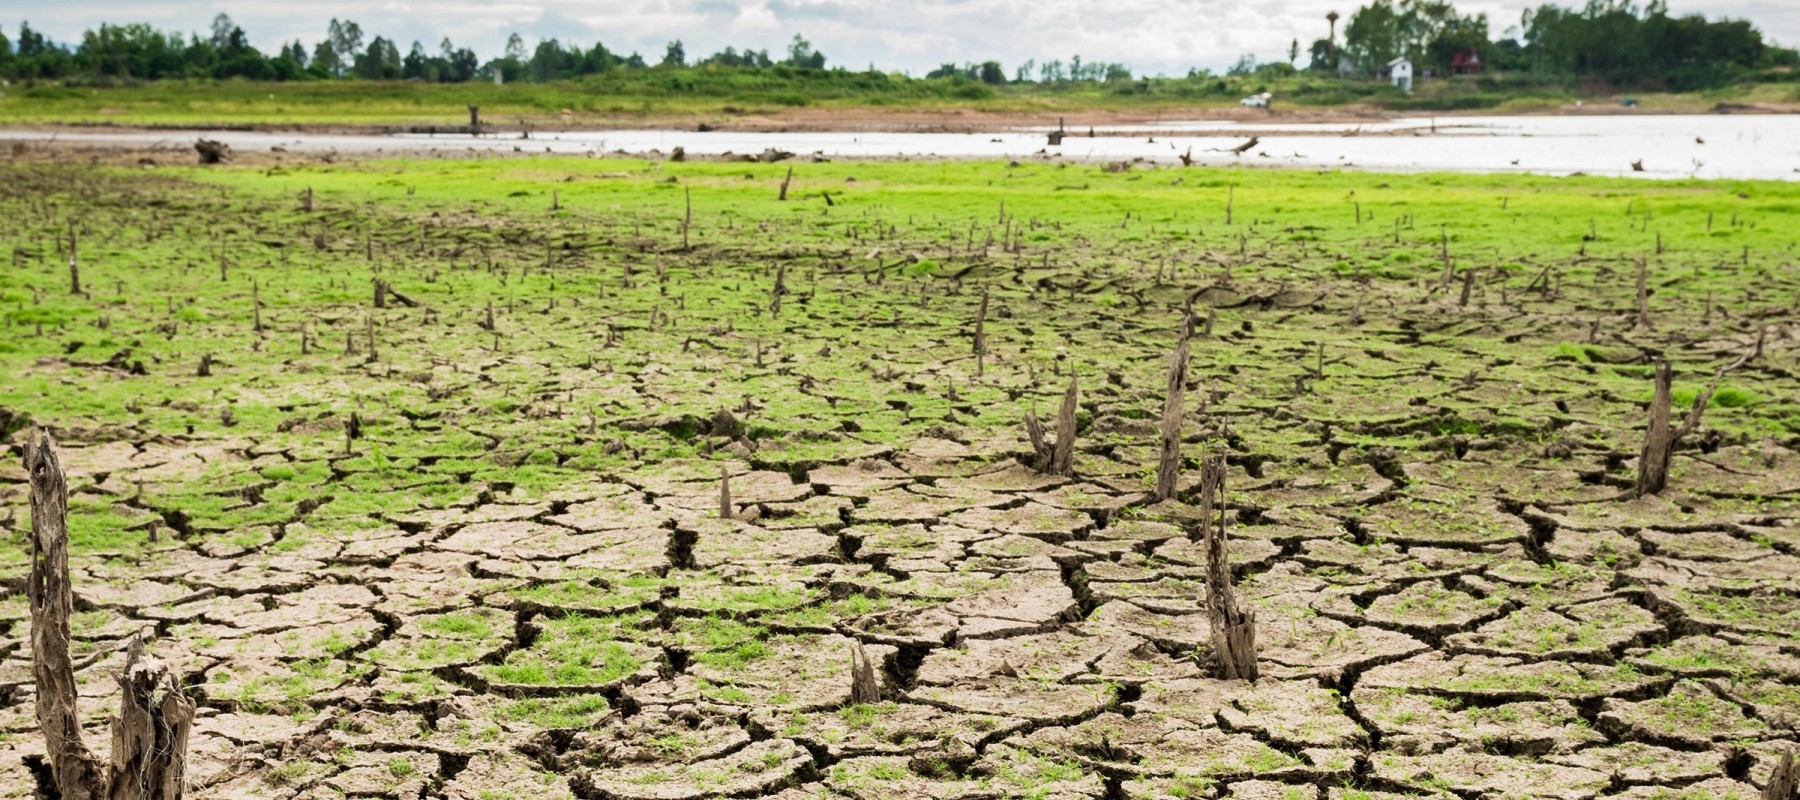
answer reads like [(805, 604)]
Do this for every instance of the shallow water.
[(1704, 146)]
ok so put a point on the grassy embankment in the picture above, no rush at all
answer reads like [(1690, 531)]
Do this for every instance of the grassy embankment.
[(687, 97)]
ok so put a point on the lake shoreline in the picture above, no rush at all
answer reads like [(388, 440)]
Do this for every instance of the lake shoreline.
[(904, 120), (1740, 147)]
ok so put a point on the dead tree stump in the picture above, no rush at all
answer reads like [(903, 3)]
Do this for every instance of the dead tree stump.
[(474, 118), (1168, 467), (784, 184), (863, 686), (1062, 458), (1233, 627), (1784, 780), (1659, 439), (1040, 449), (150, 734), (75, 770), (212, 152)]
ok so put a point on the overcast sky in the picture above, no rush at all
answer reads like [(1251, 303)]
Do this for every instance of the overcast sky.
[(1151, 36)]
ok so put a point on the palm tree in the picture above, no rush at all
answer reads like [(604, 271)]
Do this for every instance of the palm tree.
[(1331, 40)]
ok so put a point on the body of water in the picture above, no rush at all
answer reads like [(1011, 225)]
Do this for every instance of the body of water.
[(1664, 146)]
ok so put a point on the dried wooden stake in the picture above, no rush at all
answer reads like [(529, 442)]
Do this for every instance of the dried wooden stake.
[(863, 687), (1168, 467), (74, 264), (780, 289), (1643, 292), (981, 332), (784, 184), (1233, 628), (150, 733), (687, 218), (725, 510), (1063, 456)]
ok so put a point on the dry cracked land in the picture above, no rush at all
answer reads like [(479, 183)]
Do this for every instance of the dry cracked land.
[(420, 494)]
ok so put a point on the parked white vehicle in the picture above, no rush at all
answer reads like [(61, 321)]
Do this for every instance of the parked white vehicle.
[(1257, 100)]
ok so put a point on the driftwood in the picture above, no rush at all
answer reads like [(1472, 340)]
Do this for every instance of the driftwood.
[(1168, 467), (1233, 627), (398, 297), (863, 686), (150, 734)]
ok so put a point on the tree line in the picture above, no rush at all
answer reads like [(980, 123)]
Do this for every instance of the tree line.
[(1614, 40)]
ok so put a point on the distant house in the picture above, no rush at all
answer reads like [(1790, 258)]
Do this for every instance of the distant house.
[(1466, 62), (1399, 72)]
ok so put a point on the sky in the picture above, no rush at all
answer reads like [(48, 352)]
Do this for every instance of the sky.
[(1150, 36)]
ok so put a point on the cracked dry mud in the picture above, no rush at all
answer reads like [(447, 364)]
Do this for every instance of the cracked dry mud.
[(487, 560)]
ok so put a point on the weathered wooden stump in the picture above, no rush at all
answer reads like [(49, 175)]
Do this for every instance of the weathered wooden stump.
[(212, 152), (1168, 466), (150, 734), (1233, 627), (1784, 780), (863, 686), (1062, 457)]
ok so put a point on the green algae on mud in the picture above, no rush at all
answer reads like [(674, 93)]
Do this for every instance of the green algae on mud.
[(470, 520)]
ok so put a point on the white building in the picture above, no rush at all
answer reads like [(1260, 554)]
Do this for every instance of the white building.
[(1400, 73)]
